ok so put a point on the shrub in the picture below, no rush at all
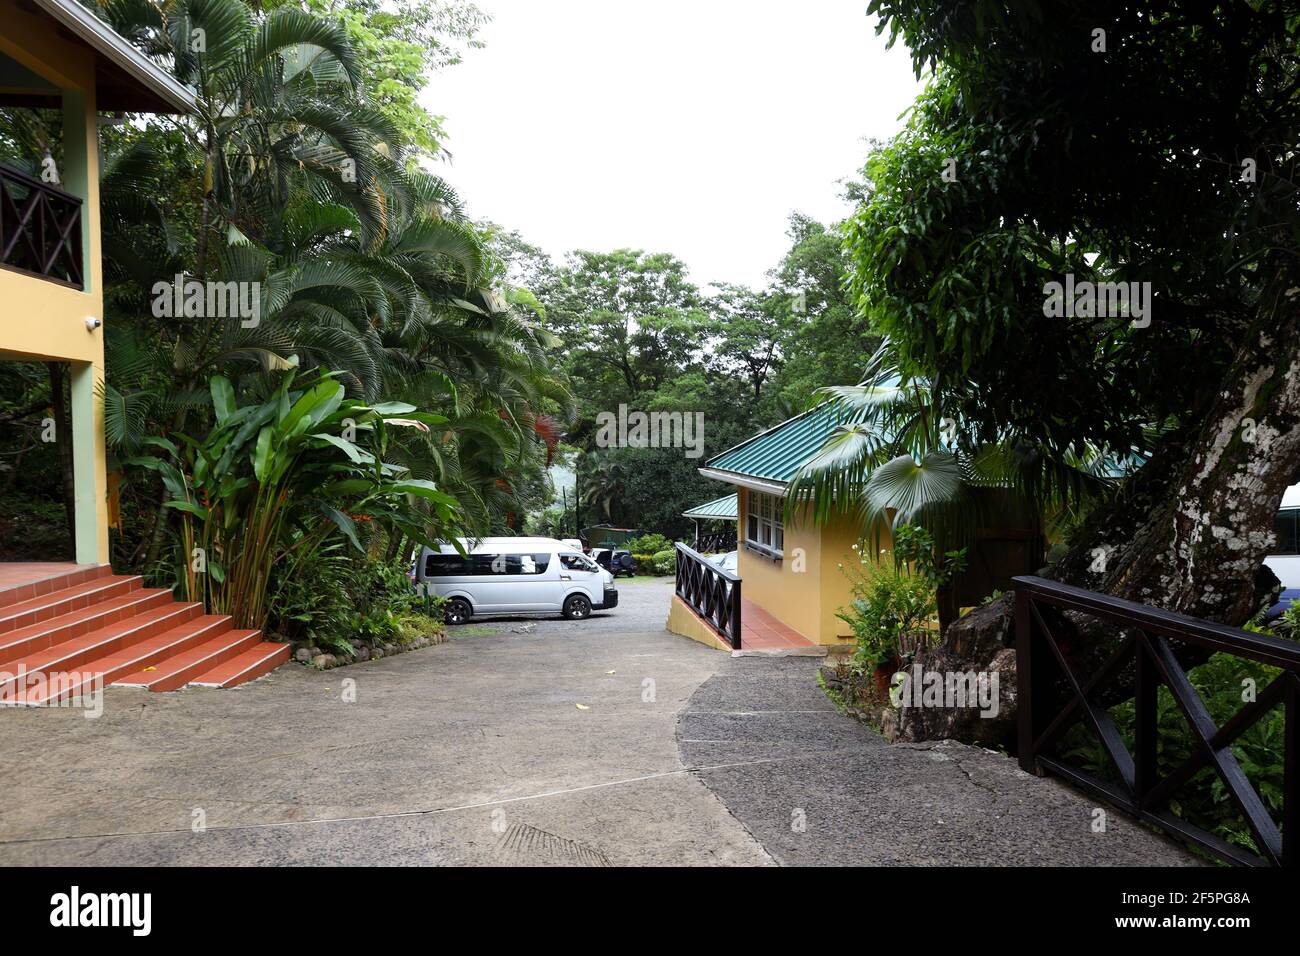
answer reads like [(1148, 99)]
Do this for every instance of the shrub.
[(340, 597), (648, 544), (664, 562), (411, 626), (889, 602), (314, 603), (894, 600)]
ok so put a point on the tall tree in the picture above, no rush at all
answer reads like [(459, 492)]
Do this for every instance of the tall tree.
[(1091, 142)]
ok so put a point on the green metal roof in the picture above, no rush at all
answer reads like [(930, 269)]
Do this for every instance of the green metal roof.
[(776, 454), (719, 508)]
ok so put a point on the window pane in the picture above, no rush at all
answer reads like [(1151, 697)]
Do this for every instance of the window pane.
[(780, 538), (445, 565), (1286, 526)]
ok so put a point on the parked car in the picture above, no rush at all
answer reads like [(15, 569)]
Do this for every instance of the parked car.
[(725, 561), (615, 560), (574, 543), (515, 576)]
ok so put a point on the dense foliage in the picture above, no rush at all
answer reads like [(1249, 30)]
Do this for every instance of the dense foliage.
[(637, 332), (377, 389)]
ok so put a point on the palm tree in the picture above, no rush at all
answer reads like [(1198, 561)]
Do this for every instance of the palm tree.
[(278, 111), (381, 280), (603, 483), (895, 458)]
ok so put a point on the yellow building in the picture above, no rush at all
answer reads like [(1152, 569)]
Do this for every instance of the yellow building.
[(789, 582), (57, 54)]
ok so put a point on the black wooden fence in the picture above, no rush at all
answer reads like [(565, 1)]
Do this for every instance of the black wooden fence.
[(1045, 661), (715, 541), (709, 591), (40, 228)]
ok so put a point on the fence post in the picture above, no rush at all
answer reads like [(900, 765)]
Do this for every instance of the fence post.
[(1024, 683), (1145, 728), (1291, 777), (735, 615)]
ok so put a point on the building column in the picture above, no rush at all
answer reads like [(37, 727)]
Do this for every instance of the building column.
[(88, 469), (80, 176), (80, 151)]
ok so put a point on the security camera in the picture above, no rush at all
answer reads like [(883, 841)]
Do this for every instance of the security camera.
[(93, 323)]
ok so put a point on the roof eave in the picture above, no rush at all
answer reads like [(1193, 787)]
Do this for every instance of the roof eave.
[(752, 482), (102, 38)]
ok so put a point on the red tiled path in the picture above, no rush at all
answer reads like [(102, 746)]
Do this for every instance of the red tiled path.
[(82, 626), (761, 631)]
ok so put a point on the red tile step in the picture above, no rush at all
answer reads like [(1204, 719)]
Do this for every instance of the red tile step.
[(27, 640), (37, 581), (261, 658), (197, 661), (142, 653), (77, 652), (74, 598)]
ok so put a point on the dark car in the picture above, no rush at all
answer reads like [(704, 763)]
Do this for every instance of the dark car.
[(616, 561), (1283, 604)]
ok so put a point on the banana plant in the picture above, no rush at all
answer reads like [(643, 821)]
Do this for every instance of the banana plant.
[(274, 482)]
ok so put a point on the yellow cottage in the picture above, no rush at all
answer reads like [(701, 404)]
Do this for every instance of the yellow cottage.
[(788, 585)]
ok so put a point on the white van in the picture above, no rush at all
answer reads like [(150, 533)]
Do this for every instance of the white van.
[(514, 576), (1285, 560)]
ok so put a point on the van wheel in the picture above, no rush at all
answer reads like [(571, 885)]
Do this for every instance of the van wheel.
[(457, 611), (577, 607)]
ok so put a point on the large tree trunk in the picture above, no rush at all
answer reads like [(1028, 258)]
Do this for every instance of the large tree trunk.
[(1188, 533)]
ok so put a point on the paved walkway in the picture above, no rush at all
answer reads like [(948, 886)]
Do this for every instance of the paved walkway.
[(522, 742), (817, 788)]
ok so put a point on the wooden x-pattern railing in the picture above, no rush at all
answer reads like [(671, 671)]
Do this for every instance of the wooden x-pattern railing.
[(1044, 661), (709, 591), (714, 541), (40, 228)]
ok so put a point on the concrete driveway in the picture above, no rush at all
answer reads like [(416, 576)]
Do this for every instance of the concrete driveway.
[(475, 751), (528, 742)]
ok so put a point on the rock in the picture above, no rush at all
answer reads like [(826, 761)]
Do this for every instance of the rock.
[(967, 723), (324, 661), (377, 654), (363, 653), (303, 655)]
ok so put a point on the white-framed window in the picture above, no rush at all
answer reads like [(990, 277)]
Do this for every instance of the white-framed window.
[(764, 527)]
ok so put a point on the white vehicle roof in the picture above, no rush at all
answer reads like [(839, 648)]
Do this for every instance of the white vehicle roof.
[(1291, 497), (506, 545)]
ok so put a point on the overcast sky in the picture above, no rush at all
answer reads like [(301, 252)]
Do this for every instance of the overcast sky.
[(686, 126)]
